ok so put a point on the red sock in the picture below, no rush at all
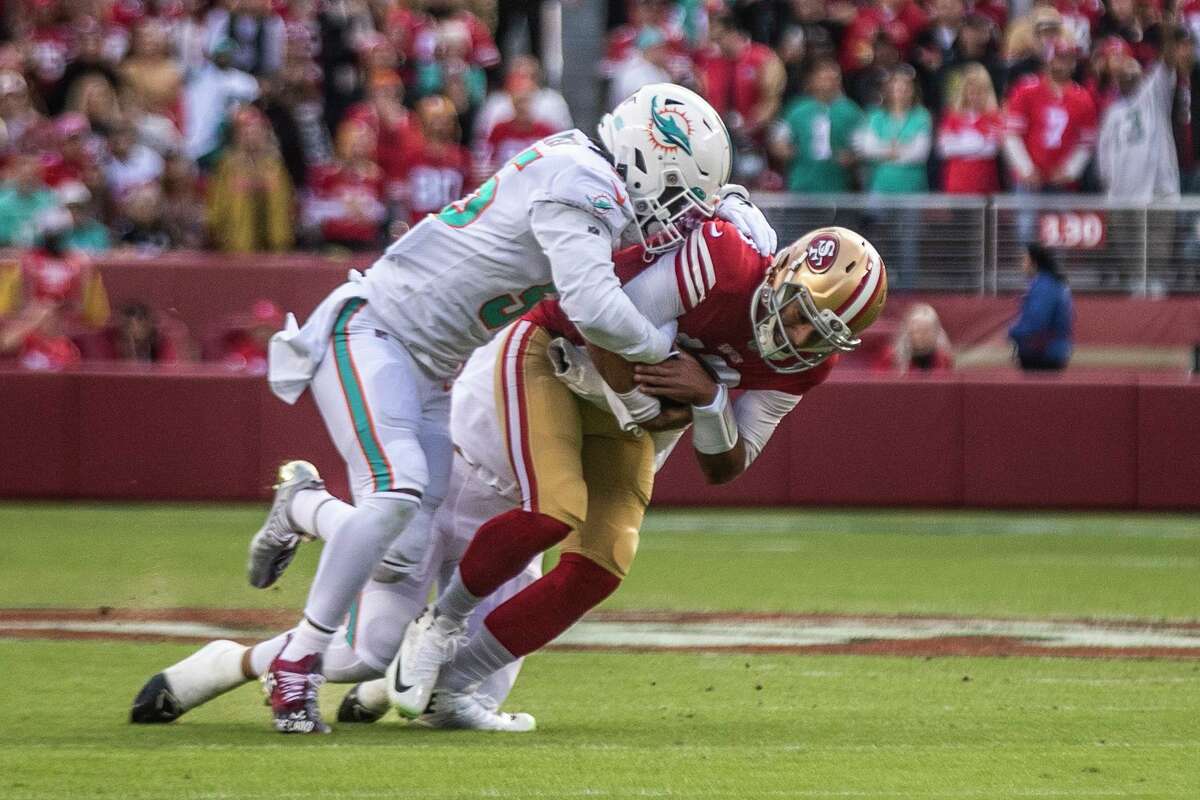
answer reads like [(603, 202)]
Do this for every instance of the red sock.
[(548, 606), (504, 545)]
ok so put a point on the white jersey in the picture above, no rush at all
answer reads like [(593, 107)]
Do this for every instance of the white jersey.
[(1136, 150), (547, 222)]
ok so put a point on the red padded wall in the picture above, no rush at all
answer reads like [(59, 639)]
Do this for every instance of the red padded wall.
[(1012, 441)]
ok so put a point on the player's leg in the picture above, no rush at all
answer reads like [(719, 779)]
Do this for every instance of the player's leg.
[(541, 424), (619, 469), (371, 395)]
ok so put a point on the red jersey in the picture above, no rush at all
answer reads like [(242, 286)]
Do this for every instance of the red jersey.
[(505, 140), (735, 84), (969, 143), (53, 279), (858, 47), (436, 175), (1052, 124), (348, 204), (431, 38), (717, 273), (395, 139), (42, 353)]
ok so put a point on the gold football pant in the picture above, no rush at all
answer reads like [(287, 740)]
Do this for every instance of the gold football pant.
[(572, 461)]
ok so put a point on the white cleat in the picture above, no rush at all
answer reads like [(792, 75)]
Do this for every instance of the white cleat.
[(472, 712), (274, 546), (429, 643)]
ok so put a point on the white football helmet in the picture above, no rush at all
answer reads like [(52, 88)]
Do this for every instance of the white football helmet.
[(673, 152)]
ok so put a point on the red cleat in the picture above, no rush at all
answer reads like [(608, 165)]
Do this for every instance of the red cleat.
[(293, 689)]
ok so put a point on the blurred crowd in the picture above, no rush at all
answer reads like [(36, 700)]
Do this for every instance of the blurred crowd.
[(140, 126), (967, 96)]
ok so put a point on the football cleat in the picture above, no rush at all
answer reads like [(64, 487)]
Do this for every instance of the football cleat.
[(155, 703), (429, 643), (464, 711), (274, 546), (356, 709), (293, 686)]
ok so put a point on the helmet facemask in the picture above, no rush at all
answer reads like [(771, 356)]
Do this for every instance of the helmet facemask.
[(830, 334), (657, 218)]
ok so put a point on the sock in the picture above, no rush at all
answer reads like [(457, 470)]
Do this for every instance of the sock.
[(503, 546), (211, 671), (551, 604), (318, 513), (260, 656), (456, 601), (483, 656), (352, 552), (307, 638), (373, 694)]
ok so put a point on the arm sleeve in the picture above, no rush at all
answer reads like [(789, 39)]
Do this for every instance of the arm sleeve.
[(588, 290), (868, 145), (758, 413), (915, 151), (1018, 156), (655, 292)]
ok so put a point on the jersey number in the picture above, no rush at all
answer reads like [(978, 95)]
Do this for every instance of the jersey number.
[(462, 213), (503, 309), (1056, 125)]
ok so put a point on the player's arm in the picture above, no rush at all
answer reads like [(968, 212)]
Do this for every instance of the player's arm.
[(579, 247), (727, 435)]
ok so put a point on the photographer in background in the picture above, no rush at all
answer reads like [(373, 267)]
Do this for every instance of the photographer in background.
[(1043, 331)]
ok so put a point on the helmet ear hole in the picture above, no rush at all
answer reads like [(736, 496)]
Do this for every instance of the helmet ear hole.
[(639, 160)]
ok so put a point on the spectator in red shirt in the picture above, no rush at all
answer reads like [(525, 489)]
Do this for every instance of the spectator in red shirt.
[(345, 202), (438, 171), (743, 80), (397, 131), (135, 337), (1107, 61), (1050, 126), (75, 155), (510, 137), (969, 135), (921, 344), (34, 338), (243, 347), (899, 19), (22, 122)]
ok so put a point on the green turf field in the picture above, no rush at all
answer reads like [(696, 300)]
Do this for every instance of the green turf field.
[(645, 725)]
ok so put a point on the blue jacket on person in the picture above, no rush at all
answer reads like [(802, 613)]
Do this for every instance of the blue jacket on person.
[(1043, 330)]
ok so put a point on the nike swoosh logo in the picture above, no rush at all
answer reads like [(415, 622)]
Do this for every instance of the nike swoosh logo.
[(399, 686), (617, 195), (714, 231)]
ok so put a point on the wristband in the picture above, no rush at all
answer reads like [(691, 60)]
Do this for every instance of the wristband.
[(714, 428), (640, 405)]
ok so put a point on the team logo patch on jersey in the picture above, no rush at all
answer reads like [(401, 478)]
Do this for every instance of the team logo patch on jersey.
[(602, 202), (670, 128), (822, 252)]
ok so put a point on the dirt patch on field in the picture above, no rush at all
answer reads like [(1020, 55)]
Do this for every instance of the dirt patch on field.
[(695, 632)]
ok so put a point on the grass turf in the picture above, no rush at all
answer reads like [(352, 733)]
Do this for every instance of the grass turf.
[(623, 725)]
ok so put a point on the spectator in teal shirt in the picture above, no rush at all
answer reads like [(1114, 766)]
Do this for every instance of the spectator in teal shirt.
[(24, 200), (83, 233), (896, 138), (895, 142), (814, 136)]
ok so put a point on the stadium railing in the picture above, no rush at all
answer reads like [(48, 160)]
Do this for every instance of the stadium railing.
[(975, 243)]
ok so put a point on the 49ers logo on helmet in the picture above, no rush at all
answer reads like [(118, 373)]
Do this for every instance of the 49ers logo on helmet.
[(822, 252)]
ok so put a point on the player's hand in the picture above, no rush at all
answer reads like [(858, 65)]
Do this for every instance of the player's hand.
[(735, 206), (681, 378), (669, 419)]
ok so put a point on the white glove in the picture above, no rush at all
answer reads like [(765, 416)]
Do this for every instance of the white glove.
[(575, 369), (735, 206)]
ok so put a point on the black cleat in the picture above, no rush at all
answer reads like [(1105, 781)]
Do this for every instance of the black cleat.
[(351, 710), (155, 703)]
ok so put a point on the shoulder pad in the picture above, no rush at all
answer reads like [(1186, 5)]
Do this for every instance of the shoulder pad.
[(590, 184)]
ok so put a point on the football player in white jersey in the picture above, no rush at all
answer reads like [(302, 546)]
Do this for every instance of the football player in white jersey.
[(843, 287), (380, 353)]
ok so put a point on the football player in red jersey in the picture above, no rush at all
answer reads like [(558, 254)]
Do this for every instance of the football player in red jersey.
[(808, 303), (438, 169), (1051, 125), (584, 476)]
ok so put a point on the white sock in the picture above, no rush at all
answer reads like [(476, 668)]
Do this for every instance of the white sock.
[(373, 694), (211, 671), (356, 546), (456, 602), (306, 639), (263, 653), (476, 662), (318, 513)]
